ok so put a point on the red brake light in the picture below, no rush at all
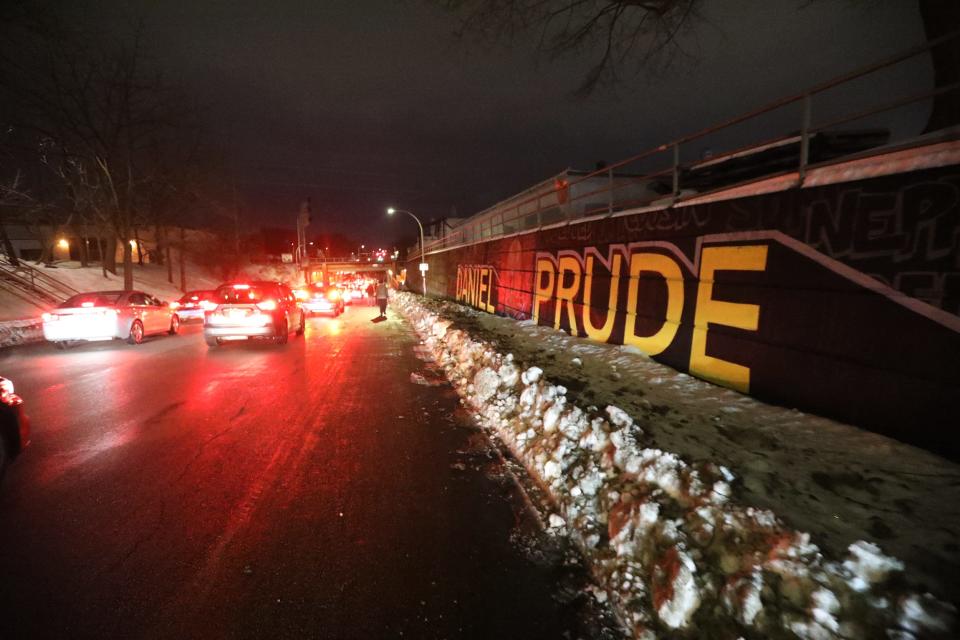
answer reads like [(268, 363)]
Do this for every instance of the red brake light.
[(208, 305), (174, 305), (334, 294), (267, 305), (86, 305), (241, 286)]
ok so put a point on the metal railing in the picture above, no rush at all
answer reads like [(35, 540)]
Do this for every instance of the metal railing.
[(32, 285), (585, 193)]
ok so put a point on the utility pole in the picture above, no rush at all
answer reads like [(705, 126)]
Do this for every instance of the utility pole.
[(183, 272), (303, 221), (236, 222)]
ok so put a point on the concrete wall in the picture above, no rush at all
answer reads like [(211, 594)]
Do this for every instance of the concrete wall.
[(841, 299)]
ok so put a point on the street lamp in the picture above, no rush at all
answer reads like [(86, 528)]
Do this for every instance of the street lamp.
[(423, 273)]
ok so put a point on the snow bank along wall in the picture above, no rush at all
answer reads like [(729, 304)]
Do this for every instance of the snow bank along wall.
[(842, 299)]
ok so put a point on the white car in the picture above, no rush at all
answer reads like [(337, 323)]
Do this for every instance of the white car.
[(193, 304), (109, 315)]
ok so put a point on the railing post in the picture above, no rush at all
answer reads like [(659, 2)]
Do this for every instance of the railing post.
[(676, 169), (804, 139), (610, 190)]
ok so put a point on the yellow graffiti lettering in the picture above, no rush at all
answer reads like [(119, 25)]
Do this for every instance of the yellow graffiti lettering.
[(543, 292), (732, 314), (667, 268), (601, 334), (566, 294), (486, 288)]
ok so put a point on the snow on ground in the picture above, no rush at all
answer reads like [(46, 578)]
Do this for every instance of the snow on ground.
[(689, 540)]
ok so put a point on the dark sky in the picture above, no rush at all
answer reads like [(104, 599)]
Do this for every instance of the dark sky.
[(364, 103)]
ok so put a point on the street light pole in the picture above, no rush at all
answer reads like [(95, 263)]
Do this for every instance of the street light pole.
[(423, 274)]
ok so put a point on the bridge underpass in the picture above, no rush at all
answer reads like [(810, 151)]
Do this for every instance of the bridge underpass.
[(321, 271)]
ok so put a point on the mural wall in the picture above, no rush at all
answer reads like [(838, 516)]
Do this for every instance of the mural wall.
[(843, 299)]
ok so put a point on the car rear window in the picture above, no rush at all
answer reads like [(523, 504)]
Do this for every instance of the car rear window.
[(245, 294), (91, 300), (319, 288), (196, 296)]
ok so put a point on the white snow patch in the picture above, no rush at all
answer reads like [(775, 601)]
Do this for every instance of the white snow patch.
[(868, 565)]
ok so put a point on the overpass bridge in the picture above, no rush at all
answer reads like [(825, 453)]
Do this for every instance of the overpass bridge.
[(321, 270)]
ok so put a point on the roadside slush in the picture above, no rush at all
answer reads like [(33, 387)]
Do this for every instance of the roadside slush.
[(837, 498), (14, 333)]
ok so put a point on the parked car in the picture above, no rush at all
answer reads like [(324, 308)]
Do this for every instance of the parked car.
[(323, 299), (253, 310), (192, 305), (109, 315), (14, 425)]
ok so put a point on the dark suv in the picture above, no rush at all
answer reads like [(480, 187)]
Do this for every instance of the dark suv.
[(247, 310)]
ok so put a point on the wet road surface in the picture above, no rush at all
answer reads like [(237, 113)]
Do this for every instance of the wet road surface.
[(307, 490)]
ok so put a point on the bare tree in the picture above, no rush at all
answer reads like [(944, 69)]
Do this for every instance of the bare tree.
[(103, 121), (643, 34), (12, 197), (613, 33)]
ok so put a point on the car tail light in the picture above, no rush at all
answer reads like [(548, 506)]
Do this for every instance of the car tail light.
[(50, 317), (174, 305), (267, 305), (334, 295), (301, 294), (87, 305), (208, 305), (241, 286)]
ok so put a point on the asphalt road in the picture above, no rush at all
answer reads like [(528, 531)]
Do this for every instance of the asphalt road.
[(305, 490)]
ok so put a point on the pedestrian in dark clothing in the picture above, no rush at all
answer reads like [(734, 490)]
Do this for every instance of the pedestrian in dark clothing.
[(382, 298)]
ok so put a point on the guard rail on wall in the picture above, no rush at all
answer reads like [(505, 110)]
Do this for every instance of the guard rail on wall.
[(502, 220), (32, 285)]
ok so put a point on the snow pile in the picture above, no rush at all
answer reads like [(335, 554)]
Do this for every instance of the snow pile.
[(674, 552), (17, 332)]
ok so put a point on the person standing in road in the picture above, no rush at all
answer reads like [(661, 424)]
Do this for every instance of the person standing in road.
[(382, 297)]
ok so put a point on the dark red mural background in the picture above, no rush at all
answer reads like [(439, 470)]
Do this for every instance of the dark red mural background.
[(841, 299)]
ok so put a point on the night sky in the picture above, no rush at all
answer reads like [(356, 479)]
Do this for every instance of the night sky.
[(363, 104)]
